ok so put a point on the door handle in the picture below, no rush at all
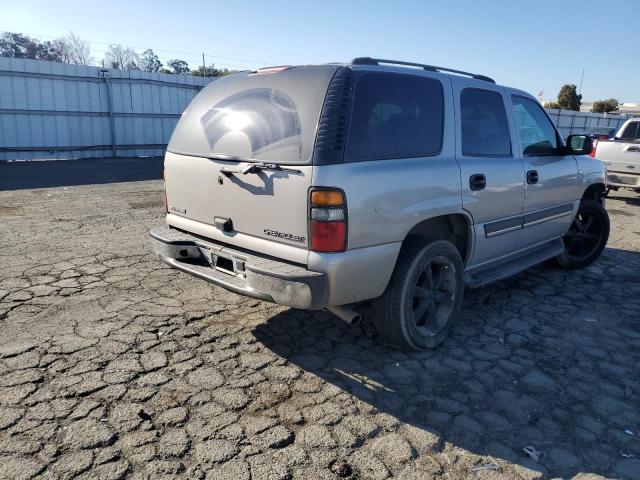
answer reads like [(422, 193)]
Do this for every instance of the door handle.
[(477, 181), (532, 177), (632, 149)]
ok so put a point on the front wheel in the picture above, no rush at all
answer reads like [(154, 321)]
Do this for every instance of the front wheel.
[(424, 297), (587, 236)]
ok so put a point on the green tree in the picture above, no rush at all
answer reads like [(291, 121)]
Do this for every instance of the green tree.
[(210, 71), (149, 61), (165, 70), (51, 51), (605, 106), (17, 45), (555, 105), (179, 67), (568, 98)]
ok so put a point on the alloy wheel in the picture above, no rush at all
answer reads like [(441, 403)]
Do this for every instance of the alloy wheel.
[(583, 237), (434, 295)]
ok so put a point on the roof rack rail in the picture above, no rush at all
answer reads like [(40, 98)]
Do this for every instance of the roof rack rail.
[(430, 68)]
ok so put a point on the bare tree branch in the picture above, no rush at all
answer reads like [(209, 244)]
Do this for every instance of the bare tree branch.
[(79, 51)]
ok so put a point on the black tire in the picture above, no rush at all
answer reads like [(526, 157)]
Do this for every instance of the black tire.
[(586, 238), (428, 279)]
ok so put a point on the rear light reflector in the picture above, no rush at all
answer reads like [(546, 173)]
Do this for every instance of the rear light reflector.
[(328, 236), (593, 149), (327, 198), (327, 220), (327, 214)]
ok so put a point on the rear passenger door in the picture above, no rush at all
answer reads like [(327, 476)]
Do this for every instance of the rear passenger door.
[(552, 182), (491, 174)]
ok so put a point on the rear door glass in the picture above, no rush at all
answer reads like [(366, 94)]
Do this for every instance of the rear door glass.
[(484, 125), (395, 116)]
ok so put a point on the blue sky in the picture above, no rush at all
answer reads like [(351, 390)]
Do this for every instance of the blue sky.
[(533, 45)]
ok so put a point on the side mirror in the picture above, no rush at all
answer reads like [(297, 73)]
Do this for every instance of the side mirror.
[(579, 144)]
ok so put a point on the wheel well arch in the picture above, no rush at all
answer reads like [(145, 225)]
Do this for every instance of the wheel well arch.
[(456, 228), (595, 191)]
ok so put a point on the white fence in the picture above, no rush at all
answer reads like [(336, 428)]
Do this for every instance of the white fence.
[(569, 122), (55, 110)]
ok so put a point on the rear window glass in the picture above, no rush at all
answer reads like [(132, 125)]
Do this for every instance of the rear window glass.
[(256, 120), (485, 129), (268, 117), (395, 116)]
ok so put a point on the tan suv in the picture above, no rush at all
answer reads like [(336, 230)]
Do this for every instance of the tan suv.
[(321, 186)]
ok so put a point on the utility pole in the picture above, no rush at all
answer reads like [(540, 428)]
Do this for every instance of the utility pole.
[(204, 67), (581, 78)]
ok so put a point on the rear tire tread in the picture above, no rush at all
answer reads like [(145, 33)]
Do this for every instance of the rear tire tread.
[(393, 329)]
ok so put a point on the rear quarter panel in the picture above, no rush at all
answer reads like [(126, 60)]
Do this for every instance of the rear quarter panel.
[(387, 198)]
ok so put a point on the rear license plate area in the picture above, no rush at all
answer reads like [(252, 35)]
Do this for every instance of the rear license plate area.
[(223, 264), (226, 263)]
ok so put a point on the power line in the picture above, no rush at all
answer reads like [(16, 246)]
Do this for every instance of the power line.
[(192, 59)]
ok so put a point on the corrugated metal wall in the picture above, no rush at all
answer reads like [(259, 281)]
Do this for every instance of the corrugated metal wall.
[(569, 121), (55, 110)]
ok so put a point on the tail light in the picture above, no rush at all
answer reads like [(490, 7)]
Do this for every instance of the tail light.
[(327, 220), (594, 148)]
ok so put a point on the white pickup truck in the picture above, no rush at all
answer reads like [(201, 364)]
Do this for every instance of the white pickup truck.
[(621, 155)]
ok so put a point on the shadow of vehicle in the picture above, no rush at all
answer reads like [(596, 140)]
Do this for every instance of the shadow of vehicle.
[(87, 171), (547, 359), (267, 178), (632, 199)]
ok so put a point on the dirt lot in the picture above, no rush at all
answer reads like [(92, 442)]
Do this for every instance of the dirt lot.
[(112, 365)]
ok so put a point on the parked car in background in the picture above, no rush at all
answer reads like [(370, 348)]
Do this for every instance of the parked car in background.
[(621, 155), (322, 186)]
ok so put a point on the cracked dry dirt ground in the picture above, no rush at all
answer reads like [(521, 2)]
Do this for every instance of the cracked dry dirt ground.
[(114, 366)]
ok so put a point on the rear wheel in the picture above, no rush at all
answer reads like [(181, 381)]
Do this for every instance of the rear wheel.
[(587, 236), (423, 298)]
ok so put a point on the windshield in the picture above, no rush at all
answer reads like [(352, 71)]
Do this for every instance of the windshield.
[(268, 117)]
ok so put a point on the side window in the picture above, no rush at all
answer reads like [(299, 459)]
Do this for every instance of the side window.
[(485, 129), (395, 116), (631, 131), (536, 132)]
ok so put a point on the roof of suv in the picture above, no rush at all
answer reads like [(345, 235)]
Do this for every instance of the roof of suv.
[(380, 62), (430, 68)]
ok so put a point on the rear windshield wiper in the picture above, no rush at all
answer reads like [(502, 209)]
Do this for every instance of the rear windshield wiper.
[(256, 167)]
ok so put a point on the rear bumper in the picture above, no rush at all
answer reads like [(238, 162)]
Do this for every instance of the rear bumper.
[(623, 180), (253, 275)]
